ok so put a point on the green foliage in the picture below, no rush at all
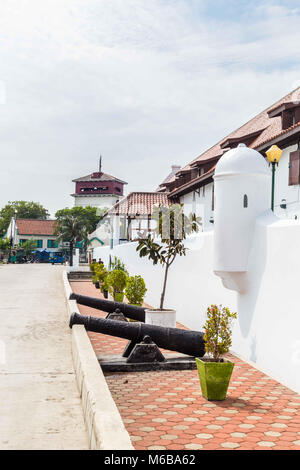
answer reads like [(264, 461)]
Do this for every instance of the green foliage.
[(116, 281), (4, 245), (92, 267), (26, 210), (116, 263), (217, 331), (28, 247), (70, 229), (135, 290), (172, 227), (87, 217), (100, 273)]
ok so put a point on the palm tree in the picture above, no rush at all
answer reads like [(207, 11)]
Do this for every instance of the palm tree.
[(70, 229)]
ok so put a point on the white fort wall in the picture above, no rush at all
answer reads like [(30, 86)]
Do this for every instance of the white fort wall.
[(267, 330)]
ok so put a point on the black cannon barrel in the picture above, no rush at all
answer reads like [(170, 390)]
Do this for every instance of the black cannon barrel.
[(130, 311), (183, 341)]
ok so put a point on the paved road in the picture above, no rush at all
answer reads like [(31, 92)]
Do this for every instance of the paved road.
[(40, 407)]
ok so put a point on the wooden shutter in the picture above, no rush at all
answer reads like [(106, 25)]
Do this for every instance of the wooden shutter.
[(294, 168)]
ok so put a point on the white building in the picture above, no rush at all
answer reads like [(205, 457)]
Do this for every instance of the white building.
[(39, 230)]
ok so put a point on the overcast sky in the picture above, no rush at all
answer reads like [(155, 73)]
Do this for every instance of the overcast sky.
[(146, 83)]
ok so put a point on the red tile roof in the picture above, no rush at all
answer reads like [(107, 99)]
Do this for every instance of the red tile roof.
[(35, 227), (270, 128), (139, 203)]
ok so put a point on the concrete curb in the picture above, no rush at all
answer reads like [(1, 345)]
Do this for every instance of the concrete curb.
[(106, 430)]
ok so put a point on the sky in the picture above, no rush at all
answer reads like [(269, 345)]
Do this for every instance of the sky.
[(145, 83)]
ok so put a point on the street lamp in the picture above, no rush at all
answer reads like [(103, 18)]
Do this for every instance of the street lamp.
[(273, 154)]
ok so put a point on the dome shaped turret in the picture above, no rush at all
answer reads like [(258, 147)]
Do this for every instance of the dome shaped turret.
[(242, 160)]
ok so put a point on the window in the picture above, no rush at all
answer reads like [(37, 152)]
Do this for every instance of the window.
[(39, 243), (52, 244), (23, 241), (294, 168), (245, 202)]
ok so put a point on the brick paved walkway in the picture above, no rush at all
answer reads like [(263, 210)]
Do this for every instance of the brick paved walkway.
[(165, 410)]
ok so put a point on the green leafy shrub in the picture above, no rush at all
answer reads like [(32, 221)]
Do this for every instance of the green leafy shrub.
[(116, 263), (217, 331), (92, 267), (116, 281), (100, 273), (135, 290)]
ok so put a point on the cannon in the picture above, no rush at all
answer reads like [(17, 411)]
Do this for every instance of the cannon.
[(130, 311), (186, 342)]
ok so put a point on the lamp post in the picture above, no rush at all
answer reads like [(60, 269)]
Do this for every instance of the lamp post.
[(273, 154)]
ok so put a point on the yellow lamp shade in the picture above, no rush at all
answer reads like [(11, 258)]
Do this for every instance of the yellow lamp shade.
[(273, 154)]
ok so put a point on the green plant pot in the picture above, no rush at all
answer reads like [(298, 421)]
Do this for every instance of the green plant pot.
[(119, 296), (214, 378)]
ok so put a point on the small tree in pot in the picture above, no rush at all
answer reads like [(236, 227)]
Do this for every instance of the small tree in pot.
[(135, 290), (172, 228), (100, 274), (116, 282), (215, 372)]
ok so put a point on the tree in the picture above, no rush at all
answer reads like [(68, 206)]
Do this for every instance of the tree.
[(172, 228), (4, 246), (26, 210), (70, 229), (87, 216), (28, 247), (217, 331)]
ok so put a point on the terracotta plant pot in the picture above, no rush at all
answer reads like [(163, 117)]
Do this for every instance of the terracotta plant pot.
[(214, 378)]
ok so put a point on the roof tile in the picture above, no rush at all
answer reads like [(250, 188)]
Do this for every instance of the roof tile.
[(35, 227)]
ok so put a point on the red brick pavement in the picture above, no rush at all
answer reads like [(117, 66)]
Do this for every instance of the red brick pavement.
[(165, 410)]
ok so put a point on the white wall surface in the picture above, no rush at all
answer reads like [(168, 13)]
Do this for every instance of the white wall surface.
[(267, 330), (96, 201), (200, 203)]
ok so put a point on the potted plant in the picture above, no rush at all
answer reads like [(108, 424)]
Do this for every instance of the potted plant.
[(116, 282), (172, 228), (93, 264), (135, 290), (215, 371), (100, 273), (116, 263), (95, 281)]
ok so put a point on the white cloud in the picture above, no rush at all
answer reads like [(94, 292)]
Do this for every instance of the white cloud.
[(148, 84)]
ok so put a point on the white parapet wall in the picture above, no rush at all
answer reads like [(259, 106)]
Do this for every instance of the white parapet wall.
[(105, 428), (267, 331)]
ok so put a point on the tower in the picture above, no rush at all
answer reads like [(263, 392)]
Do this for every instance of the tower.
[(98, 189), (242, 193)]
